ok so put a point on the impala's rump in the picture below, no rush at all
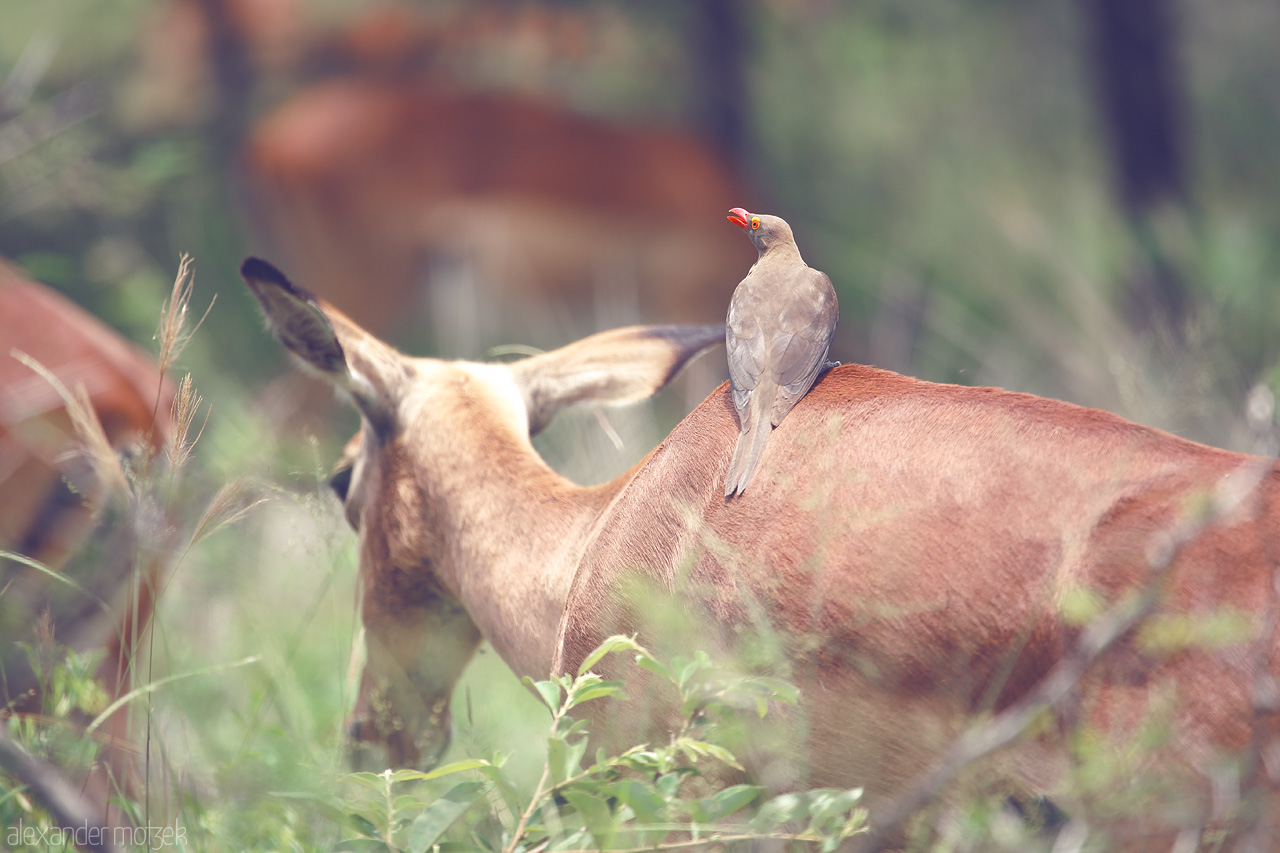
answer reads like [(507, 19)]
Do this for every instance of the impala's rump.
[(918, 546)]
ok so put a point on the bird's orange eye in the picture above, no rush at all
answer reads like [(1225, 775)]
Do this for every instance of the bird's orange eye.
[(755, 222)]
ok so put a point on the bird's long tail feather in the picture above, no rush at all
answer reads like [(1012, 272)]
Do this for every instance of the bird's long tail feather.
[(749, 449)]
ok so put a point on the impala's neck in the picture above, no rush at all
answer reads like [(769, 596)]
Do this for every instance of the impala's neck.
[(512, 529)]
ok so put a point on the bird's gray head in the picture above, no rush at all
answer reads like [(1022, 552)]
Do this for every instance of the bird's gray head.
[(764, 230)]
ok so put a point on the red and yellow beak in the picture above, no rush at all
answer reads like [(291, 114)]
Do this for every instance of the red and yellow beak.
[(739, 217)]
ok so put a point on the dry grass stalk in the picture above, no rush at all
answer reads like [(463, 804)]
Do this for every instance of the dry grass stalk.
[(173, 334), (232, 503), (186, 405), (84, 420)]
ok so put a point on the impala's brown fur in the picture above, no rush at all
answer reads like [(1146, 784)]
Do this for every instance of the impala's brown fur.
[(50, 500), (907, 548)]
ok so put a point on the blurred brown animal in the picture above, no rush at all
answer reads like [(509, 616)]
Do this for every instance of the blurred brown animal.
[(910, 548), (518, 209), (50, 497), (398, 178)]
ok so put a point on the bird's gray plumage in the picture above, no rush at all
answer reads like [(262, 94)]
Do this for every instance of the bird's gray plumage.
[(781, 321)]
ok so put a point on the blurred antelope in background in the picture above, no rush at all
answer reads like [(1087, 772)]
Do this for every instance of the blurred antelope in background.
[(51, 497), (910, 555), (420, 165), (508, 210)]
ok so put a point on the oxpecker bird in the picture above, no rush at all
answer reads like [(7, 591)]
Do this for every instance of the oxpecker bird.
[(781, 320)]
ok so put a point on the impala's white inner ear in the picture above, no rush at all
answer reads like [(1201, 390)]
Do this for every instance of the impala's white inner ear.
[(610, 368)]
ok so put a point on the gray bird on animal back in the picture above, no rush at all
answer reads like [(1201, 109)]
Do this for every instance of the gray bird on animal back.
[(781, 320)]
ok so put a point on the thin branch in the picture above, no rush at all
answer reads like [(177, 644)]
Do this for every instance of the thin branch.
[(717, 839), (538, 793), (69, 809), (1266, 703)]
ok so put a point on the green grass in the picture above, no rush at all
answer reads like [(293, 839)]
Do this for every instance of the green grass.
[(948, 151)]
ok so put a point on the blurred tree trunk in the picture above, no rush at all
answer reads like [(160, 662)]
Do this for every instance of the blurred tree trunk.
[(718, 44), (1140, 92), (235, 85)]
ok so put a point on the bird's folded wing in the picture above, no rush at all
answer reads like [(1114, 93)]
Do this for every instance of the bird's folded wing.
[(799, 352), (746, 355)]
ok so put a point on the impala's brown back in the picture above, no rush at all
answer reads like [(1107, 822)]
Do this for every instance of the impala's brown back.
[(914, 547), (912, 555)]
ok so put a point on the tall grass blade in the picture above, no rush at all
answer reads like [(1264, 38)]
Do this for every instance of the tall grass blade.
[(15, 557), (84, 420), (161, 682)]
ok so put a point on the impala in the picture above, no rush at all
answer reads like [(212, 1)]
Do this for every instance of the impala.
[(910, 555), (49, 499)]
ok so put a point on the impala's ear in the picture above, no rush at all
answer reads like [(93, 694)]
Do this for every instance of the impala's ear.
[(619, 366), (296, 318), (326, 341)]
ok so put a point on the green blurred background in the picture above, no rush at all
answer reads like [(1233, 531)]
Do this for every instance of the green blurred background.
[(1075, 199), (1053, 196)]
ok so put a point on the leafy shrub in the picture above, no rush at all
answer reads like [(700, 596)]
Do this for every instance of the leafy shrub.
[(643, 798)]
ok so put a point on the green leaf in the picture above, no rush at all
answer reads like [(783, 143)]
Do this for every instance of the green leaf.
[(829, 809), (548, 691), (564, 727), (694, 702), (616, 643), (724, 803), (564, 757), (364, 825), (358, 845), (641, 760), (683, 669), (372, 781), (782, 809), (831, 812), (648, 804), (696, 748), (427, 828), (644, 661), (668, 784), (405, 803), (594, 809), (610, 689), (507, 788), (783, 691), (448, 769)]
